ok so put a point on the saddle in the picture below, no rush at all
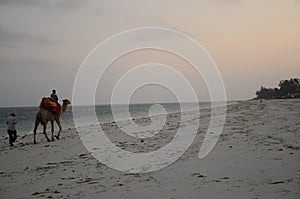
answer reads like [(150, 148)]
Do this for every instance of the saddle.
[(48, 104)]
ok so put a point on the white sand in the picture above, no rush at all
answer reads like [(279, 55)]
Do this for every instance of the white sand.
[(257, 156)]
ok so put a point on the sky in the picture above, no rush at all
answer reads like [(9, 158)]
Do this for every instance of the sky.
[(43, 43)]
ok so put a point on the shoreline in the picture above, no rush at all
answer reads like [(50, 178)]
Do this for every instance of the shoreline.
[(104, 123)]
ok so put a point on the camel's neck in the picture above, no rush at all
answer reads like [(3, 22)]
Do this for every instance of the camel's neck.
[(63, 108)]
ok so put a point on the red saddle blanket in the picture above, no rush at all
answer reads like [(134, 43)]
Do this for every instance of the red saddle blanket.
[(48, 104)]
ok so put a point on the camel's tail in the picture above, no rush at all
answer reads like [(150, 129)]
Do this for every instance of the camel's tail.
[(38, 118)]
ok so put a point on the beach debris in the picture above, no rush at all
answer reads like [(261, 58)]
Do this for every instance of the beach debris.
[(36, 193), (292, 147), (276, 182), (85, 180), (199, 175)]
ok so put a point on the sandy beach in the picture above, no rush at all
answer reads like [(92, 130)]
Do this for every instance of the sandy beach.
[(257, 156)]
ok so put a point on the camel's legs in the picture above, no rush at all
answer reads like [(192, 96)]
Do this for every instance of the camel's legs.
[(44, 131), (34, 131), (52, 130), (59, 126)]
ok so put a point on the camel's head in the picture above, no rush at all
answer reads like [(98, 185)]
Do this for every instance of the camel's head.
[(66, 102)]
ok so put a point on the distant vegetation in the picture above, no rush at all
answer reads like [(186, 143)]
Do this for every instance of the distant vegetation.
[(287, 89)]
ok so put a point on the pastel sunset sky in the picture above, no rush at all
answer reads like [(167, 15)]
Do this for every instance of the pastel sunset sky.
[(43, 43)]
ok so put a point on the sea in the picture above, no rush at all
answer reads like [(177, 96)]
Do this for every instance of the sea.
[(26, 115)]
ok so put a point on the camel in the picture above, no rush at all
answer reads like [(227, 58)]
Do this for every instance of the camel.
[(43, 116)]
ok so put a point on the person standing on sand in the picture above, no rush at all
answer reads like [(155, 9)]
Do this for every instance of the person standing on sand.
[(11, 128)]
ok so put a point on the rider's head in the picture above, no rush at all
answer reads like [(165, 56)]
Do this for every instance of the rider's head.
[(53, 91)]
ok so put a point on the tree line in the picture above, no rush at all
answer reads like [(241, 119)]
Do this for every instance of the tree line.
[(286, 89)]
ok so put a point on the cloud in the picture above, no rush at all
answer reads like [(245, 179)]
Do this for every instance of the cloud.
[(154, 34), (68, 4), (28, 63), (297, 1), (8, 38), (227, 1)]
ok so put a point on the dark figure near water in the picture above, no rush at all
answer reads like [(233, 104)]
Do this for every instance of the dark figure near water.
[(11, 128)]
